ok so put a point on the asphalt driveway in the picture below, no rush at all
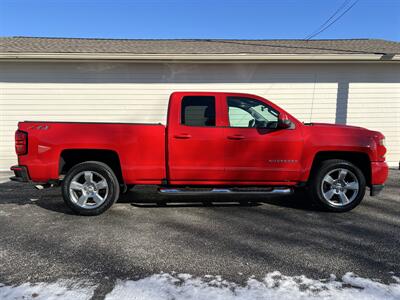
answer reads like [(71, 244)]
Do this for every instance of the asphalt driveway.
[(41, 240)]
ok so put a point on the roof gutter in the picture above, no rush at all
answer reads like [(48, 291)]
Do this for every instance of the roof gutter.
[(198, 57)]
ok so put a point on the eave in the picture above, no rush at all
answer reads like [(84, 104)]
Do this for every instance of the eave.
[(198, 58)]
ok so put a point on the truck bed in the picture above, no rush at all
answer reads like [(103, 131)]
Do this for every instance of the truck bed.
[(140, 147)]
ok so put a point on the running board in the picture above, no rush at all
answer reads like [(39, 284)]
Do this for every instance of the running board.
[(224, 191)]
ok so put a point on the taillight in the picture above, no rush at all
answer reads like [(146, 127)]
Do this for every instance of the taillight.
[(21, 142)]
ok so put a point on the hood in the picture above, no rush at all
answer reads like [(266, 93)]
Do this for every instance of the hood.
[(334, 125), (340, 129)]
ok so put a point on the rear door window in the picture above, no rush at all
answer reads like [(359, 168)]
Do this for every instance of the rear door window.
[(198, 111)]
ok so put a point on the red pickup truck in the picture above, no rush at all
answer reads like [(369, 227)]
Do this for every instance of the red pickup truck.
[(214, 143)]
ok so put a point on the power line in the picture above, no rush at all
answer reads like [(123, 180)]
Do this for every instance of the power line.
[(334, 21), (344, 4)]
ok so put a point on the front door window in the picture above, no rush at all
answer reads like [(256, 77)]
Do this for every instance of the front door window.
[(246, 112)]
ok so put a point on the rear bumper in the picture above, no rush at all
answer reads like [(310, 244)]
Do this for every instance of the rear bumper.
[(21, 174)]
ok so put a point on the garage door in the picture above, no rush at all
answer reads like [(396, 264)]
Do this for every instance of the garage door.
[(359, 94)]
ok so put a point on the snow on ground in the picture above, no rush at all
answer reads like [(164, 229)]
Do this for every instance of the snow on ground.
[(184, 286), (274, 286), (60, 290)]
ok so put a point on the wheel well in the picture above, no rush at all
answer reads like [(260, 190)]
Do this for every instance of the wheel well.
[(72, 157), (361, 160)]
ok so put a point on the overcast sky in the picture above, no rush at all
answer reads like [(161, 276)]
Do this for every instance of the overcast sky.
[(241, 19)]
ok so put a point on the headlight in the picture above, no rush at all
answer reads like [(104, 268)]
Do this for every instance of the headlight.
[(382, 142)]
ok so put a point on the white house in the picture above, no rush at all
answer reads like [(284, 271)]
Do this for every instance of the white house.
[(353, 82)]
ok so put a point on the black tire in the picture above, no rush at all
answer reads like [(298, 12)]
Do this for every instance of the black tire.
[(315, 185), (106, 173)]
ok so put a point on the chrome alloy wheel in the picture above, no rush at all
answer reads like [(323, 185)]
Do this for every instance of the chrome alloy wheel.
[(340, 187), (88, 189)]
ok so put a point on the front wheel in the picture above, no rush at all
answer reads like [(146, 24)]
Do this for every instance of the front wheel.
[(337, 185), (90, 188)]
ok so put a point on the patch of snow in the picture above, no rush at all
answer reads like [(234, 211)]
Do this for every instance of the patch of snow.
[(59, 290), (4, 214), (274, 286), (184, 276), (166, 286)]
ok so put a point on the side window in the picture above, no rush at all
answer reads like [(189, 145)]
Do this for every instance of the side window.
[(246, 112), (198, 111)]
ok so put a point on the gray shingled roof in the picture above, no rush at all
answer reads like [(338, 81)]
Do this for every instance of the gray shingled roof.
[(209, 46)]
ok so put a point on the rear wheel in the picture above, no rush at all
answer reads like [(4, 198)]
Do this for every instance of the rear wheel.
[(337, 185), (90, 188)]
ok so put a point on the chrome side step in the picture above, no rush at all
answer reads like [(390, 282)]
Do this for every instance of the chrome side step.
[(224, 191)]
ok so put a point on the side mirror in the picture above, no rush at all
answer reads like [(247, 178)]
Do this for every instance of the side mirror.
[(284, 122)]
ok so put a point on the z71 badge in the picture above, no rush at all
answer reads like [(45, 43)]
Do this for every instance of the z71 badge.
[(39, 127)]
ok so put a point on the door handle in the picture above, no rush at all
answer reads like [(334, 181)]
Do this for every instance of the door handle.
[(182, 136), (236, 137)]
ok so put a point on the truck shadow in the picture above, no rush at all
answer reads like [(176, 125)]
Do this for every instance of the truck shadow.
[(146, 197)]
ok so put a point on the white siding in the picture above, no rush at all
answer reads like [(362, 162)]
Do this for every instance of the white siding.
[(377, 107), (368, 94)]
